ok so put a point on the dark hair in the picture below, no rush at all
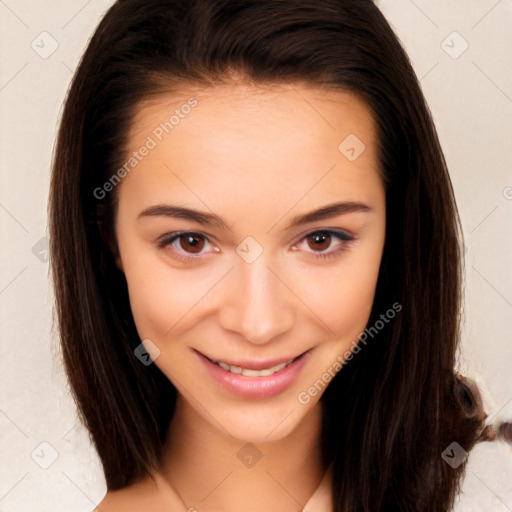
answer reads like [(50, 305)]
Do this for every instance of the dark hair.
[(390, 413)]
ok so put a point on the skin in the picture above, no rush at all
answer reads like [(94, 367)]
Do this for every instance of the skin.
[(257, 157)]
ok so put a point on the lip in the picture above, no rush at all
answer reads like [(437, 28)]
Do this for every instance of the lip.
[(253, 364), (255, 387)]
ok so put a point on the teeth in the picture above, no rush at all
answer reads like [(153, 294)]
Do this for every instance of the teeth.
[(253, 373)]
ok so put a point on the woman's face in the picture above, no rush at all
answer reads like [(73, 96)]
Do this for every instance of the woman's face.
[(246, 269)]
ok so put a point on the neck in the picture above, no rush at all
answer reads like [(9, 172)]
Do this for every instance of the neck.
[(212, 471)]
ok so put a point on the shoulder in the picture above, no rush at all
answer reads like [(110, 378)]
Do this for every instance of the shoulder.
[(142, 496), (129, 499)]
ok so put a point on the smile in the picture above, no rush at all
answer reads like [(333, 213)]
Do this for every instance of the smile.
[(255, 379), (247, 372)]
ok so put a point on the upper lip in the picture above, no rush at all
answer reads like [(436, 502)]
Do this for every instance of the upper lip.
[(253, 364)]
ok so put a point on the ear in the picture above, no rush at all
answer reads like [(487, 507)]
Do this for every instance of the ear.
[(108, 236)]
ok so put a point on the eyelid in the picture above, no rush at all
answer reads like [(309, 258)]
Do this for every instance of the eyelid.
[(342, 233), (344, 237), (169, 238)]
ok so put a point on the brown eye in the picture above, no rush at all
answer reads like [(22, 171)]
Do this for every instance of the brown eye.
[(319, 241), (191, 242), (186, 246), (326, 243)]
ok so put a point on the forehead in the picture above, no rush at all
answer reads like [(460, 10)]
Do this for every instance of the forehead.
[(256, 140), (236, 103)]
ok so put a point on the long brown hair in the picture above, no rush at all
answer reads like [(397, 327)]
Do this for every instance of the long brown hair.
[(391, 412)]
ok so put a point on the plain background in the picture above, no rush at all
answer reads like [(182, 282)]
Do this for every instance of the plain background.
[(461, 51)]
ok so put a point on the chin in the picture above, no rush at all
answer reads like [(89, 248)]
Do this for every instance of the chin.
[(261, 421)]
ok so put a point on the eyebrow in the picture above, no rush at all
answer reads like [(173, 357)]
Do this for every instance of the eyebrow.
[(179, 212), (332, 210), (211, 219)]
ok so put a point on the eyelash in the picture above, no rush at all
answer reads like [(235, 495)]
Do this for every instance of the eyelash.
[(342, 236)]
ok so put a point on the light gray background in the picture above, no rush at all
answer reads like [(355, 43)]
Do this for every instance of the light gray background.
[(470, 95)]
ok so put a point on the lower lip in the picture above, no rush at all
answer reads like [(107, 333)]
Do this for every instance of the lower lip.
[(255, 387)]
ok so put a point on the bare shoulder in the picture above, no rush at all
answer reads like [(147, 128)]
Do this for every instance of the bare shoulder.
[(128, 499), (142, 496), (111, 501)]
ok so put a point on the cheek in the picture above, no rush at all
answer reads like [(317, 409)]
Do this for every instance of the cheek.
[(150, 308), (158, 299), (342, 296), (164, 300)]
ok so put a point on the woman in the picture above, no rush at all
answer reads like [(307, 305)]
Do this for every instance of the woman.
[(255, 252)]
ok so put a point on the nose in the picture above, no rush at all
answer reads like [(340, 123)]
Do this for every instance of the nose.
[(257, 304)]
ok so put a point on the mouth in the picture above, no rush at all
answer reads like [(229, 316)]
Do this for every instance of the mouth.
[(252, 369), (255, 379)]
